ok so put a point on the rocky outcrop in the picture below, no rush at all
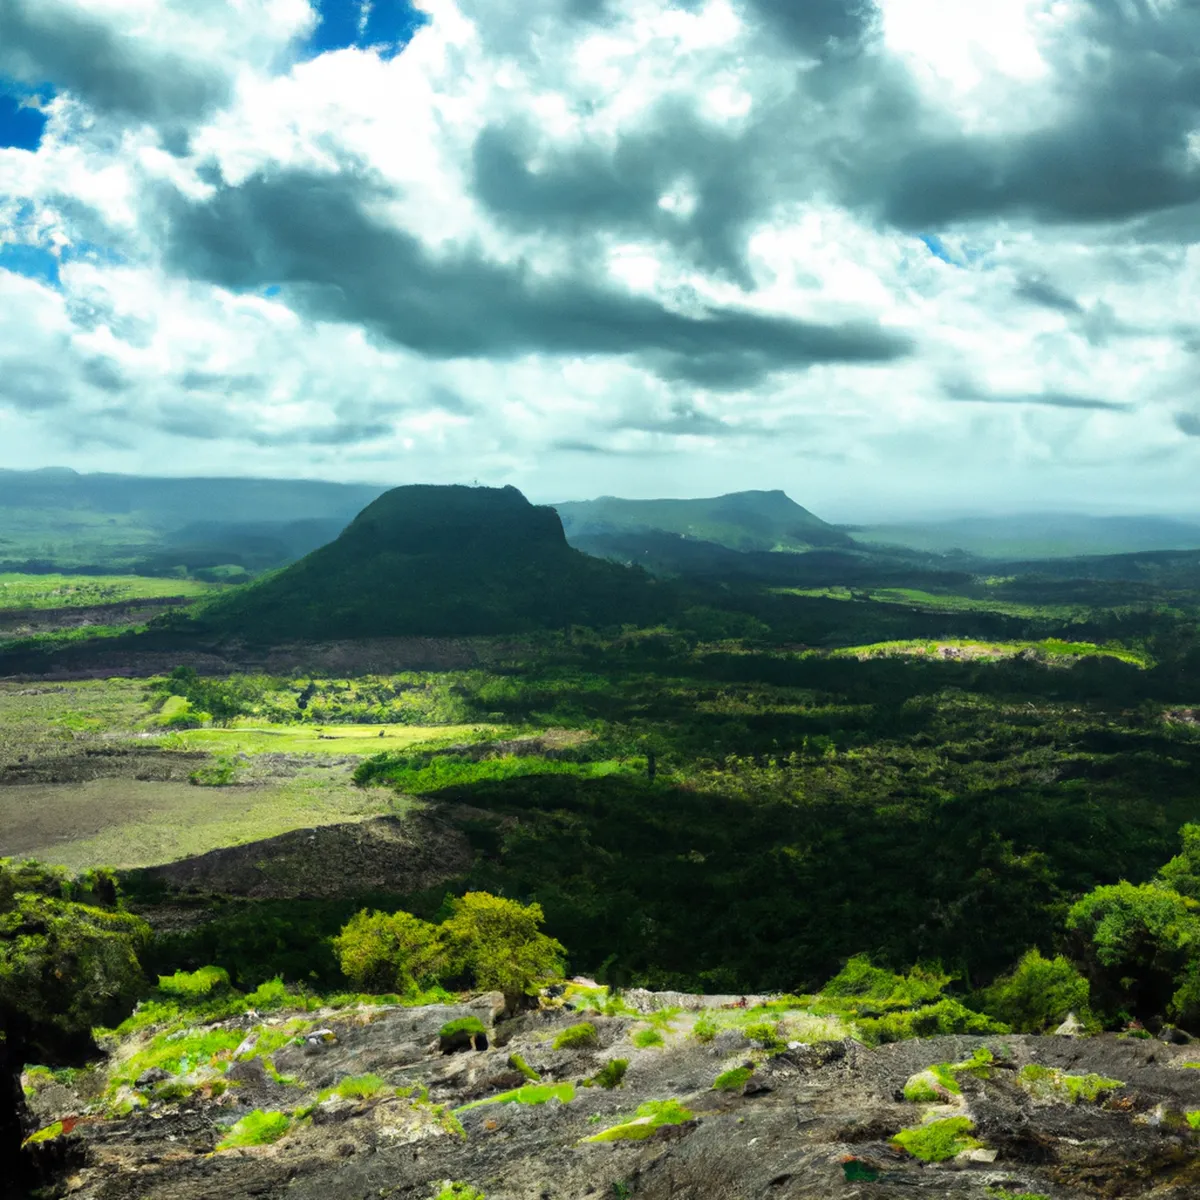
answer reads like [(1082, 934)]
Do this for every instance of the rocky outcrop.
[(372, 1107)]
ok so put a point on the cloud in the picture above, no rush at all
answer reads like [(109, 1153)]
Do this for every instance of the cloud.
[(1189, 423), (113, 70), (317, 236), (818, 25), (969, 393), (1041, 291)]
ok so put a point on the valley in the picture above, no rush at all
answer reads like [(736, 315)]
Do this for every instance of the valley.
[(705, 784)]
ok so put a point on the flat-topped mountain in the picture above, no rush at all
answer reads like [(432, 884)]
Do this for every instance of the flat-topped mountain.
[(740, 521), (438, 561)]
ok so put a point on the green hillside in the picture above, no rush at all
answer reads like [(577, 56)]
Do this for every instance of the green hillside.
[(439, 561), (740, 520)]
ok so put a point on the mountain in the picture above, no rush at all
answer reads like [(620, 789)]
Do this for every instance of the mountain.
[(1036, 536), (738, 521), (57, 518), (439, 561)]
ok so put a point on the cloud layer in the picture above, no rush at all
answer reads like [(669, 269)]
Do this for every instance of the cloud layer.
[(887, 256)]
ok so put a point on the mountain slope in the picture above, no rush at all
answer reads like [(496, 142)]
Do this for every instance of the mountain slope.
[(438, 561), (739, 521)]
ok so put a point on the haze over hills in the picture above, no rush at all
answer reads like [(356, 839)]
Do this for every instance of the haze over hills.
[(756, 520), (57, 517), (438, 560)]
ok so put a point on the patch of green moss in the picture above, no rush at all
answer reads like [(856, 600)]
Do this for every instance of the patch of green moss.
[(467, 1025), (577, 1037), (705, 1029), (1193, 1118), (939, 1140), (1049, 1083), (1001, 1194), (517, 1063), (458, 1191), (45, 1135), (610, 1076), (733, 1080), (257, 1128), (538, 1093), (193, 984), (650, 1116), (645, 1038), (923, 1087), (356, 1087)]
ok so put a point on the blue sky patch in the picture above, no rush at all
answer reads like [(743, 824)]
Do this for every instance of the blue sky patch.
[(20, 126), (34, 262), (387, 24)]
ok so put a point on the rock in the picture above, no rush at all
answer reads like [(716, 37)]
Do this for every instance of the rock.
[(1174, 1036), (756, 1085), (980, 1154), (152, 1076), (333, 1111), (319, 1039), (251, 1072), (1071, 1027)]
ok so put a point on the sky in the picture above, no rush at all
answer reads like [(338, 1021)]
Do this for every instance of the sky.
[(896, 257)]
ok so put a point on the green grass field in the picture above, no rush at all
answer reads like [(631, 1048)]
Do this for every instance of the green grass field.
[(933, 602), (84, 591), (130, 823), (325, 740), (1049, 650)]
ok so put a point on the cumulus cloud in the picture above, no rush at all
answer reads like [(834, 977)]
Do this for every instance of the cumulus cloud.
[(846, 247)]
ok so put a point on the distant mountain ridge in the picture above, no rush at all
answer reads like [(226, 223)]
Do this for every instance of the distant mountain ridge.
[(427, 560), (745, 521)]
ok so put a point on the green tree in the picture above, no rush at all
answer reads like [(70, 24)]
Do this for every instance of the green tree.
[(1182, 873), (1136, 943), (68, 961), (500, 943), (1038, 995), (394, 952)]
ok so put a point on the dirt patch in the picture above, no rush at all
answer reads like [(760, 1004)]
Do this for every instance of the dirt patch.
[(385, 854)]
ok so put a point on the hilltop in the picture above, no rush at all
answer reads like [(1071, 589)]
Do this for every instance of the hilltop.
[(438, 561), (739, 521)]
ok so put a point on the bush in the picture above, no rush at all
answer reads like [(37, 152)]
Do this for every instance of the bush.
[(390, 952), (945, 1017), (577, 1037), (191, 985), (1038, 995), (645, 1038)]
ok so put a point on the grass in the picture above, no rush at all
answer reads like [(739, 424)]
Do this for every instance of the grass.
[(643, 1039), (650, 1116), (611, 1075), (534, 1093), (1053, 650), (85, 591), (939, 1140), (331, 739), (257, 1128), (133, 823), (356, 1087)]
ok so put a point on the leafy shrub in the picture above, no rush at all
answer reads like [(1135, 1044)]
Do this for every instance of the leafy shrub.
[(945, 1017), (257, 1128), (390, 952), (705, 1028), (766, 1033), (577, 1037), (871, 991), (190, 985), (1038, 995)]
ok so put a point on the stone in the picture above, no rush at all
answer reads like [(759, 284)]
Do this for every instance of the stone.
[(152, 1076), (1071, 1027)]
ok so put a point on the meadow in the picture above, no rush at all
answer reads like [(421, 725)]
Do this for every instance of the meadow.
[(45, 592)]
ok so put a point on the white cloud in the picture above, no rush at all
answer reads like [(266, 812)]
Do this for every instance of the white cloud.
[(650, 164)]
